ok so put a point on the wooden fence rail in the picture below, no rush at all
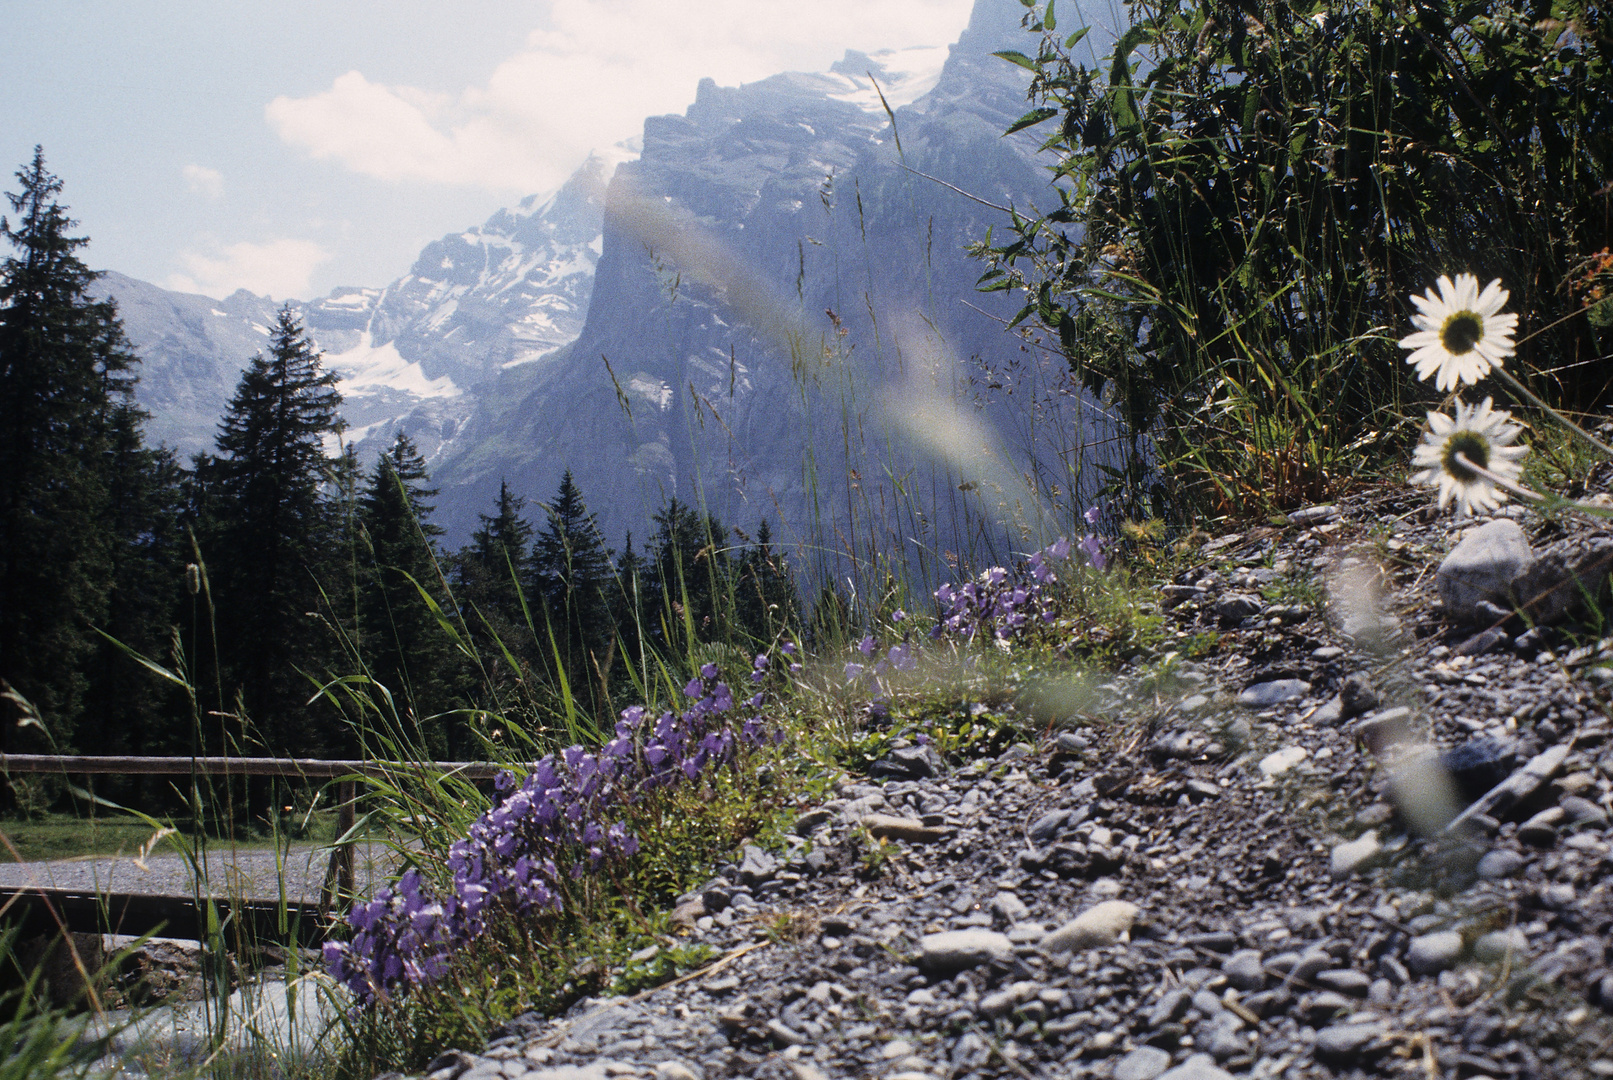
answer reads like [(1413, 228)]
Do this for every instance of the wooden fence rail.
[(92, 912)]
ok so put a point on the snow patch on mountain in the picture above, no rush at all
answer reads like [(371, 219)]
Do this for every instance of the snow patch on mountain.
[(903, 75), (367, 367)]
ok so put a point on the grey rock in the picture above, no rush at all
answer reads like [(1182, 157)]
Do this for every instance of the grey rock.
[(1197, 1067), (1224, 1041), (1072, 742), (1499, 945), (1345, 1042), (1500, 863), (1357, 695), (1313, 515), (1172, 1006), (784, 1033), (1274, 692), (1432, 953), (811, 821), (757, 866), (1007, 999), (1382, 729), (1487, 641), (908, 763), (1330, 713), (1541, 830), (952, 951), (1143, 1063), (1344, 980), (1048, 826), (1280, 761), (1564, 578), (1221, 941), (1245, 971), (1581, 811), (1482, 567), (1324, 1007), (969, 1051), (1478, 765), (1234, 607), (1356, 854), (1309, 964), (1009, 907)]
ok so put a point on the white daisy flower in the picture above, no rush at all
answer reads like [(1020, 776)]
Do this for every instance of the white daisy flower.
[(1461, 333), (1485, 437)]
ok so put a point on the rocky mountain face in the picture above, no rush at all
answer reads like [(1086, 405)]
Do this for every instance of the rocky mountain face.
[(784, 288), (771, 313), (473, 303)]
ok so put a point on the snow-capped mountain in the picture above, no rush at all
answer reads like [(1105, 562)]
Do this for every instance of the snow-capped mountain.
[(784, 285), (747, 315), (474, 303)]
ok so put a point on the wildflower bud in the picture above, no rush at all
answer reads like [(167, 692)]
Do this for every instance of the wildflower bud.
[(193, 578)]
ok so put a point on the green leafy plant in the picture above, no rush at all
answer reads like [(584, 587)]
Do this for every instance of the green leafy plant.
[(1244, 191)]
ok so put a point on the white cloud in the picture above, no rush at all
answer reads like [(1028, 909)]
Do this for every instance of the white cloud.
[(587, 81), (279, 269), (200, 180)]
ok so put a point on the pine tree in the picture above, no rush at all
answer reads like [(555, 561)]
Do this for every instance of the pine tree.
[(627, 606), (766, 599), (143, 515), (490, 570), (64, 367), (403, 646), (570, 570), (688, 581), (272, 539)]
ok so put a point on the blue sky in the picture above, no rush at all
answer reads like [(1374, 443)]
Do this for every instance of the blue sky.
[(290, 147)]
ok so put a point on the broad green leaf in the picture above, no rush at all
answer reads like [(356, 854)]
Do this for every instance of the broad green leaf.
[(1017, 58), (1030, 119)]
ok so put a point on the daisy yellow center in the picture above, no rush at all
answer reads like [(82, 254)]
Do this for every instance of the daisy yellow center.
[(1461, 332), (1470, 445)]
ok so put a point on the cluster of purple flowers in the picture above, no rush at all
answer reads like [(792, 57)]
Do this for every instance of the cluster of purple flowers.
[(1003, 604), (563, 819)]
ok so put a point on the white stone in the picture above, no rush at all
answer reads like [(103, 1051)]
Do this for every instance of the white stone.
[(1101, 924), (1482, 567), (1279, 762), (1350, 857)]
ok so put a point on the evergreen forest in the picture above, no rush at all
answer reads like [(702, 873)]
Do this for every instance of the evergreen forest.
[(280, 563)]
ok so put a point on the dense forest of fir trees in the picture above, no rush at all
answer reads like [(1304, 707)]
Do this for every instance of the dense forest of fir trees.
[(273, 565)]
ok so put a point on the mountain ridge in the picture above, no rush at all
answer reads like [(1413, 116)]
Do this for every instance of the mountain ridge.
[(567, 332)]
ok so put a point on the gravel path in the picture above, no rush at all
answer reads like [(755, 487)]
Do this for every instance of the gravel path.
[(250, 872), (1218, 869)]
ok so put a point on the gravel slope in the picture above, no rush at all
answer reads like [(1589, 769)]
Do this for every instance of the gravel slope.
[(1212, 871)]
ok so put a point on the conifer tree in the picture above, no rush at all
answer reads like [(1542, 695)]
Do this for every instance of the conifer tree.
[(627, 607), (688, 580), (64, 367), (403, 646), (272, 538), (143, 520), (490, 570), (766, 598), (570, 570)]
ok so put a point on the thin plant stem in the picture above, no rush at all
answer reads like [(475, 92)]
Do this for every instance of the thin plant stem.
[(1575, 428), (1550, 502)]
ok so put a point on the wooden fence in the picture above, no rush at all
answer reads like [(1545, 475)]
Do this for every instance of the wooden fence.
[(138, 913)]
